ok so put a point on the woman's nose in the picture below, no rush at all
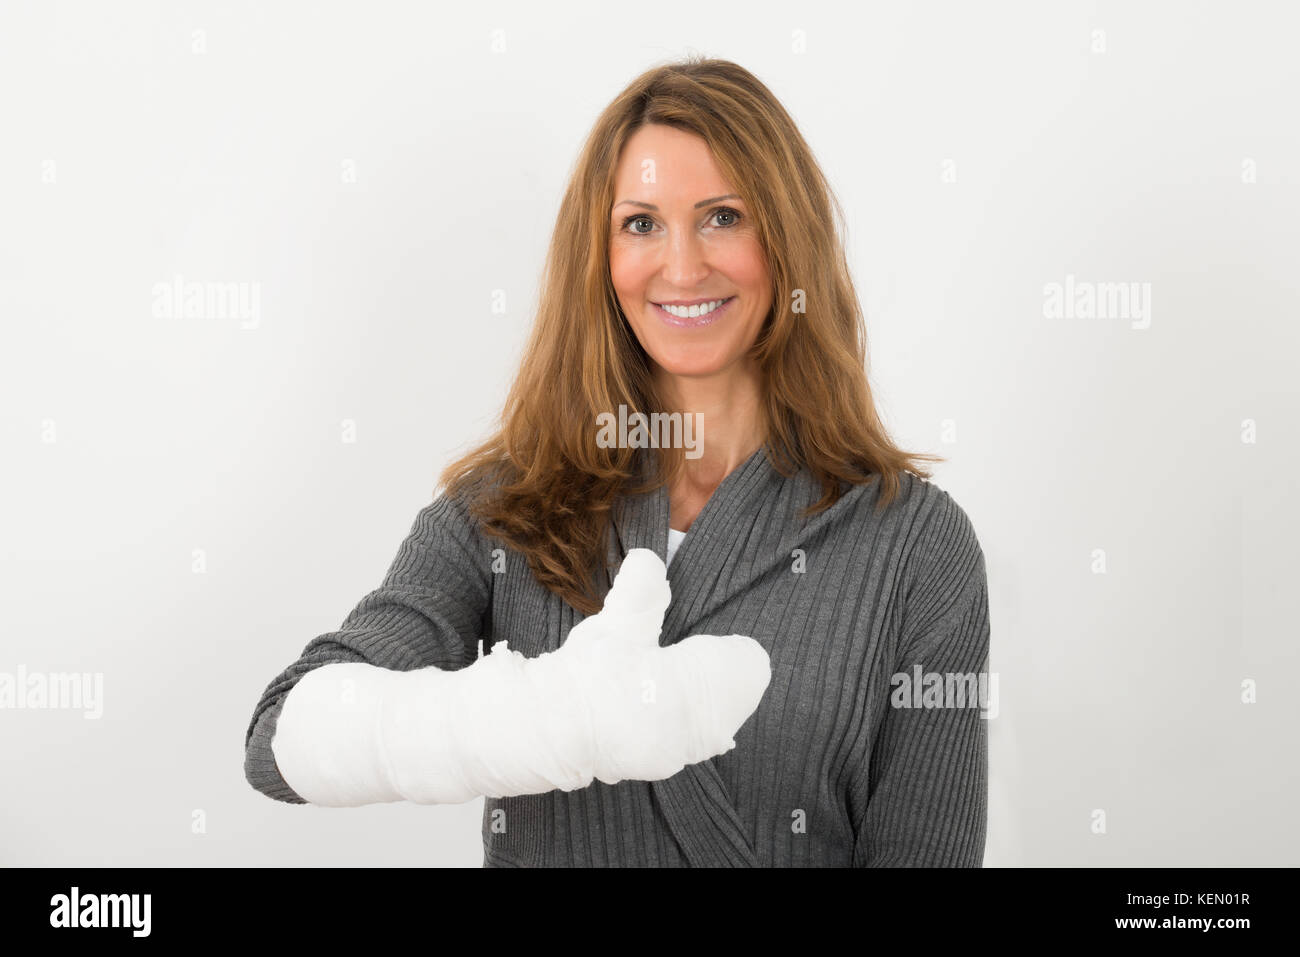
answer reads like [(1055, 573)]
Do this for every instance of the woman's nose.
[(685, 260)]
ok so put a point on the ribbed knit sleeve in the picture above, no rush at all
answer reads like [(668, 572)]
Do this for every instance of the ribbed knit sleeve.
[(429, 610), (928, 804)]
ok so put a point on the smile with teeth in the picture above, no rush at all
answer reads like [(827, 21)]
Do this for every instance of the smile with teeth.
[(699, 314), (691, 312)]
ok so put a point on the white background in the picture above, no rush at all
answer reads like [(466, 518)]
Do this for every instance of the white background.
[(211, 140)]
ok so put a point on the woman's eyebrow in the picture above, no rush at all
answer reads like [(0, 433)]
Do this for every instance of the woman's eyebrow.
[(652, 206)]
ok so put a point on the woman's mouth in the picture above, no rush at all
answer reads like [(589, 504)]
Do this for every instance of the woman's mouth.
[(692, 317)]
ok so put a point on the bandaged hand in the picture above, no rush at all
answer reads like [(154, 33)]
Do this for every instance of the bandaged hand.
[(610, 704)]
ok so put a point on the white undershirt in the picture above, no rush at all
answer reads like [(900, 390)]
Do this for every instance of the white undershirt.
[(674, 541)]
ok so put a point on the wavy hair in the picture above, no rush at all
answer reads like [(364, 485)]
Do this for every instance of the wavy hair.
[(542, 483)]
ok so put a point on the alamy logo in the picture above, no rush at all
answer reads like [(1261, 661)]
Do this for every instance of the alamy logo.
[(1098, 300), (57, 690), (659, 430), (933, 689), (102, 910), (179, 299)]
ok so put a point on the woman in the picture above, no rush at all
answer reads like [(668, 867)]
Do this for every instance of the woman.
[(696, 269)]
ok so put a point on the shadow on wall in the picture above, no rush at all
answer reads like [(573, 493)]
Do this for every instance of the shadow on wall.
[(1003, 846)]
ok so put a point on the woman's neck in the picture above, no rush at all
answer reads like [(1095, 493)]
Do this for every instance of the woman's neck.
[(728, 405)]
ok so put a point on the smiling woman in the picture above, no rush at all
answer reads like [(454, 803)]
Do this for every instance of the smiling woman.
[(695, 273), (697, 239), (662, 254)]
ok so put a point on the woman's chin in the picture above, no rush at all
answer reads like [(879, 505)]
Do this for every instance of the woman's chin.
[(689, 366)]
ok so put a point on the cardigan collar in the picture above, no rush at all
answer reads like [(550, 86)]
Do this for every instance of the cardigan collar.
[(748, 527)]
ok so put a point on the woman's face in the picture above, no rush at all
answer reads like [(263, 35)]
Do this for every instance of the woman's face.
[(679, 237)]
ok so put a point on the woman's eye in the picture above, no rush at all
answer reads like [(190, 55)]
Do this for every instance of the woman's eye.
[(638, 219), (735, 216)]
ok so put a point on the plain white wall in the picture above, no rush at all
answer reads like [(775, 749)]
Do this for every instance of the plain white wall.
[(376, 171)]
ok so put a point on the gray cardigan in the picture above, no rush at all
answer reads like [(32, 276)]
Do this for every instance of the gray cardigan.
[(827, 771)]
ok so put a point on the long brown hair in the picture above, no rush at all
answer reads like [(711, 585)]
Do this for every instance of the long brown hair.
[(551, 486)]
